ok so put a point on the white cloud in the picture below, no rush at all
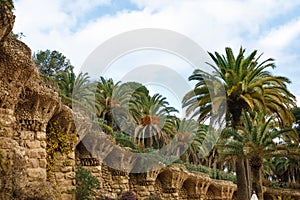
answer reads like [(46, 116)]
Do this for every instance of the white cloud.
[(279, 38), (40, 16), (212, 24)]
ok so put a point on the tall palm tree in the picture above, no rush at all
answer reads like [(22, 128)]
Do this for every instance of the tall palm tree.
[(248, 86), (153, 118), (258, 134), (289, 166)]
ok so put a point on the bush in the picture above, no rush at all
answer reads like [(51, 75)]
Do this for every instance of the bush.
[(198, 168), (124, 140), (213, 173), (57, 141), (86, 185)]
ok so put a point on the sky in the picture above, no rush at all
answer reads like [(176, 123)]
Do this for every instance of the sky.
[(76, 27)]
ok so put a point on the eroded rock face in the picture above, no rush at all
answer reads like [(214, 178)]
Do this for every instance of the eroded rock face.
[(16, 65), (26, 106), (7, 20)]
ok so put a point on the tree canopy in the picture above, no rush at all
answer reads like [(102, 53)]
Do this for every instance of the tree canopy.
[(51, 63)]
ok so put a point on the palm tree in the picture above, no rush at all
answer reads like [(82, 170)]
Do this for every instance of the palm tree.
[(188, 139), (154, 122), (289, 166), (248, 86), (195, 150), (257, 134), (73, 89), (104, 101)]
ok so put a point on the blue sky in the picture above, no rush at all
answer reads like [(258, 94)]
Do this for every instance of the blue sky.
[(77, 27)]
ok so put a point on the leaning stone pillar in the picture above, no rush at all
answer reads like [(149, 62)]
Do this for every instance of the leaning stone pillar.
[(36, 105)]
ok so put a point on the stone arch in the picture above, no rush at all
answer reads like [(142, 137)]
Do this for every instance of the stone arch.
[(36, 106), (171, 180), (158, 186), (33, 109), (212, 192), (183, 193), (190, 185), (165, 179), (63, 175)]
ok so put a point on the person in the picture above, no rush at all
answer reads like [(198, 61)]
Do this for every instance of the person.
[(254, 196)]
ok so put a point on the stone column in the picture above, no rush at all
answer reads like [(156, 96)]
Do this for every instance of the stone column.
[(62, 177), (34, 108), (196, 185), (144, 183), (172, 180), (7, 153)]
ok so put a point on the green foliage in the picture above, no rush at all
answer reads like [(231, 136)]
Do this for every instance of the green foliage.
[(86, 185), (198, 168), (50, 63), (226, 176), (213, 173), (103, 125), (18, 36), (8, 3), (124, 140), (57, 141), (73, 88), (282, 198)]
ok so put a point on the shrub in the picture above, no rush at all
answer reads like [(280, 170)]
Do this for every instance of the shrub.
[(86, 185), (124, 140), (57, 141)]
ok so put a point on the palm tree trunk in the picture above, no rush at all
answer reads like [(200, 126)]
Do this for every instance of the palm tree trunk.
[(257, 182), (241, 180)]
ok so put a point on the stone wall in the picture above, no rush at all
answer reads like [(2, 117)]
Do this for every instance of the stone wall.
[(173, 182)]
